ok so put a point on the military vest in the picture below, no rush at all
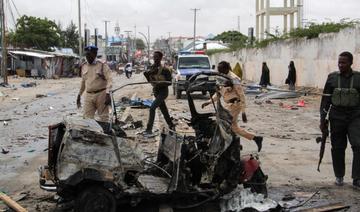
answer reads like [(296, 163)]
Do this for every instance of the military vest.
[(345, 97)]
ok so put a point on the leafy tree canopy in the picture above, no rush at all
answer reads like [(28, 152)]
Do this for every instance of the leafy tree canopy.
[(37, 33), (231, 37)]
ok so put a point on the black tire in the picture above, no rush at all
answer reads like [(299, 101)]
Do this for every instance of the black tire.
[(203, 93), (95, 199), (258, 182), (178, 94)]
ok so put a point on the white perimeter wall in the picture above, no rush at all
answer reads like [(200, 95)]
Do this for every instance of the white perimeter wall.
[(314, 58)]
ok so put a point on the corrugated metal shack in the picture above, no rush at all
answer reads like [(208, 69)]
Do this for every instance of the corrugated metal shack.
[(33, 63)]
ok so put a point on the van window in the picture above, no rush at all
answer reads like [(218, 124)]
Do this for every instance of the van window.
[(194, 62)]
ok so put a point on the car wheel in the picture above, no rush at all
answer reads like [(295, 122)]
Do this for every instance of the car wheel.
[(258, 182), (178, 94), (95, 199), (203, 93)]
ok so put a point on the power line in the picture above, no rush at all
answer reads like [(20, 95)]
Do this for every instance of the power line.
[(16, 9), (11, 12)]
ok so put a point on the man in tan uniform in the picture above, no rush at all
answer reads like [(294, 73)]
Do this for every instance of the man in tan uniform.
[(97, 83), (234, 98)]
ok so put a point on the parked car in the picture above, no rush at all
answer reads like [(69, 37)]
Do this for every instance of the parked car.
[(100, 169)]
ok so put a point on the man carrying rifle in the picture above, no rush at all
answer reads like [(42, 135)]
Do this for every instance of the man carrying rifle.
[(344, 117)]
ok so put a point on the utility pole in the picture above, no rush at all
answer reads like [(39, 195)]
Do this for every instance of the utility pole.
[(106, 34), (134, 44), (106, 38), (80, 39), (148, 45), (3, 42), (86, 41), (128, 45), (96, 37), (238, 21), (195, 10)]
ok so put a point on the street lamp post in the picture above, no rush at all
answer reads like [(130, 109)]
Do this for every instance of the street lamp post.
[(147, 39)]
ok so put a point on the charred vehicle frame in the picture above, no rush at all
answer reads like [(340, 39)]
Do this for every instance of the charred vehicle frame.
[(99, 171)]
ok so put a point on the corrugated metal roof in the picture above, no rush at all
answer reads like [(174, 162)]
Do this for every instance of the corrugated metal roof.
[(32, 54)]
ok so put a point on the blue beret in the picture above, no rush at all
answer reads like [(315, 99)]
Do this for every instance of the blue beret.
[(91, 48)]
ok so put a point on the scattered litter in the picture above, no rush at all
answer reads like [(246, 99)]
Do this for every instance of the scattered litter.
[(1, 94), (299, 201), (28, 84), (15, 99), (51, 108), (278, 95), (5, 119), (6, 123), (31, 150), (133, 125), (288, 197), (328, 207), (50, 94), (301, 103), (4, 151), (269, 101), (5, 85), (241, 199), (21, 196), (11, 203), (40, 95)]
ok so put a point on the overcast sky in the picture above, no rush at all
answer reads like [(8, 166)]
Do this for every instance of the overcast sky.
[(173, 16)]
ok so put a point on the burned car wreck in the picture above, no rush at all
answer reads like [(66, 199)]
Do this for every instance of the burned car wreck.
[(100, 171)]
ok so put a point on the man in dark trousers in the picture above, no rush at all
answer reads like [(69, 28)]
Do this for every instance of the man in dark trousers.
[(344, 117), (158, 73)]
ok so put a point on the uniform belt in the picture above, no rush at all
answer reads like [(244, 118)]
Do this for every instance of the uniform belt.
[(97, 91), (234, 100)]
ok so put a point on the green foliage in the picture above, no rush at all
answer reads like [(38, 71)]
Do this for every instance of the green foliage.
[(234, 38), (140, 44), (37, 33), (70, 37), (311, 31)]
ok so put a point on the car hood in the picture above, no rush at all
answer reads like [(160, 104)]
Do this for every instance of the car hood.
[(191, 71)]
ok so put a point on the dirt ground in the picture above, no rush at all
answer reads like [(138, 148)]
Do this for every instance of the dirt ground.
[(289, 156)]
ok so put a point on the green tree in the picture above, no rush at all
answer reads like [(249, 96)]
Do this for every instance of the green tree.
[(70, 37), (234, 38), (140, 44), (37, 33)]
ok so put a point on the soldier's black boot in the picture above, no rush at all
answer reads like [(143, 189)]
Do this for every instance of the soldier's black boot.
[(258, 140)]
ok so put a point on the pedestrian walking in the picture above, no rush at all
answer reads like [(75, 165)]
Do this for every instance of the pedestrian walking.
[(234, 98), (344, 117), (265, 76), (291, 79), (158, 73), (97, 83)]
